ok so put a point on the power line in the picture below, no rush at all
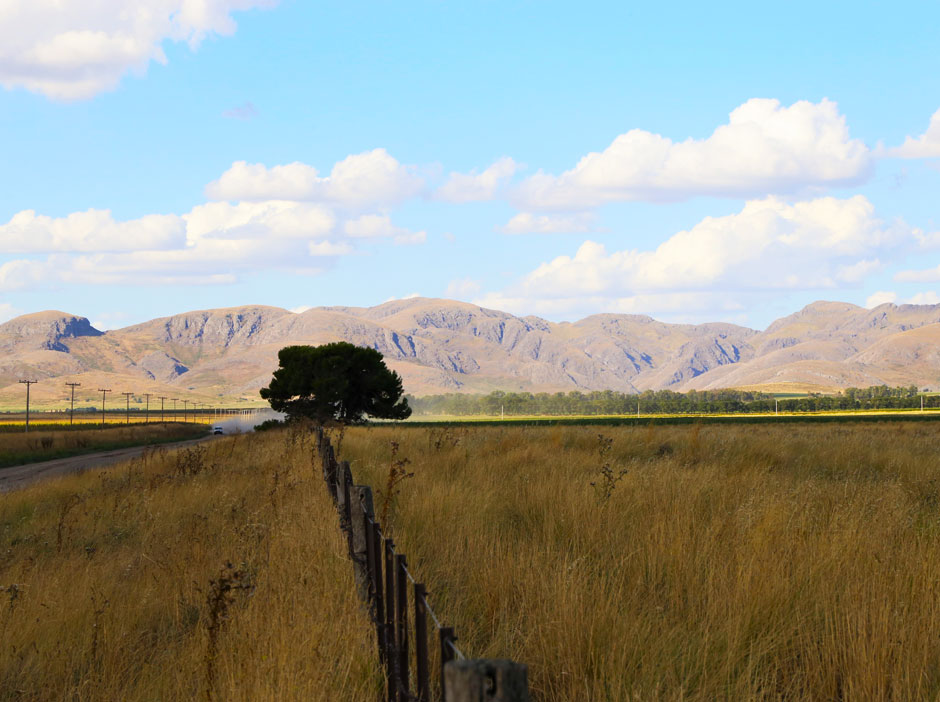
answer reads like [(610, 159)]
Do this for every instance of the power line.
[(72, 409), (28, 383)]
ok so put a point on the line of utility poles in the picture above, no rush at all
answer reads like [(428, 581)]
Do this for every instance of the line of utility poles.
[(27, 383), (127, 407)]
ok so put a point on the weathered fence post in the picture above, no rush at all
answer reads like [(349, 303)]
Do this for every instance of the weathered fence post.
[(447, 639), (422, 667), (359, 509), (377, 585), (401, 633), (486, 680), (390, 659)]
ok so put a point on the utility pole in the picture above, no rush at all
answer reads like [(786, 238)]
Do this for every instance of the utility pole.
[(27, 383), (127, 396), (147, 411), (185, 405), (162, 398), (174, 408), (776, 406), (104, 393), (72, 410)]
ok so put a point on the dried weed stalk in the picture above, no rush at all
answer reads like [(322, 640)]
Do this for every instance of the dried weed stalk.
[(608, 476), (396, 475)]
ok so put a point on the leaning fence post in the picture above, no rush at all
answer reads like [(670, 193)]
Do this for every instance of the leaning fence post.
[(486, 680), (422, 669), (359, 510), (401, 635), (447, 639)]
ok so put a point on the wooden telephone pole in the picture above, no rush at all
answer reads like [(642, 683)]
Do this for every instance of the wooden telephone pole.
[(27, 383), (72, 409)]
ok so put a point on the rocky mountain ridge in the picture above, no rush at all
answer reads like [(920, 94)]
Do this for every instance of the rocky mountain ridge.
[(448, 346)]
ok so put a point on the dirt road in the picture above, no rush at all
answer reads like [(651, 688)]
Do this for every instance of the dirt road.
[(19, 476)]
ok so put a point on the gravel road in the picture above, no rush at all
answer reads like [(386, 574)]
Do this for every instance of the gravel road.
[(16, 477)]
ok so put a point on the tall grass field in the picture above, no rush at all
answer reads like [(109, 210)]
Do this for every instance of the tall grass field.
[(213, 573), (796, 562)]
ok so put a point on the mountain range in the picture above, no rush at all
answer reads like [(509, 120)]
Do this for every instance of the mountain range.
[(226, 355)]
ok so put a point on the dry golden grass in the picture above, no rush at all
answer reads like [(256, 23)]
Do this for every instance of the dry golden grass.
[(42, 444), (793, 562), (117, 583)]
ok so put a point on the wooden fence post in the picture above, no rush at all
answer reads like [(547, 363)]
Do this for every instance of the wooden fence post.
[(422, 668), (359, 507), (390, 659), (486, 680), (401, 633)]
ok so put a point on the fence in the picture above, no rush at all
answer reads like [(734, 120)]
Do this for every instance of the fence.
[(382, 582)]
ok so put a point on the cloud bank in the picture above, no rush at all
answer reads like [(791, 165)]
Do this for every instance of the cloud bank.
[(765, 148), (76, 49)]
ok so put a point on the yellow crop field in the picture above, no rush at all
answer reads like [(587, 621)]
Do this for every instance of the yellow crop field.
[(696, 562), (214, 573)]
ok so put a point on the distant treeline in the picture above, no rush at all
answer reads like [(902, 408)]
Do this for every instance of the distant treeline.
[(601, 402)]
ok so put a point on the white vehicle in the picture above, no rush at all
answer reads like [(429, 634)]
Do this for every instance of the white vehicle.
[(217, 430)]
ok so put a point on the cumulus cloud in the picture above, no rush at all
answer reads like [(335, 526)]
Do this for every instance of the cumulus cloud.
[(764, 148), (92, 230), (927, 297), (7, 312), (371, 179), (214, 243), (462, 288), (75, 49), (477, 187), (880, 297), (769, 245), (375, 226), (528, 223), (928, 275), (927, 145)]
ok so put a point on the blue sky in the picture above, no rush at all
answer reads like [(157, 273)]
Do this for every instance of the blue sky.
[(690, 162)]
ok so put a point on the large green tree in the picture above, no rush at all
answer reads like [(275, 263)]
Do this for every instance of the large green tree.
[(336, 381)]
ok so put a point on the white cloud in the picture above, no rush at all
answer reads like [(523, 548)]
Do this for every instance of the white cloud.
[(880, 298), (92, 230), (75, 49), (927, 145), (528, 223), (477, 187), (929, 275), (275, 219), (764, 148), (769, 245), (928, 297), (7, 312), (374, 226), (329, 248), (462, 288), (24, 273), (368, 180)]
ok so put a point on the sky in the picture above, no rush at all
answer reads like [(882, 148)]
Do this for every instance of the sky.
[(692, 162)]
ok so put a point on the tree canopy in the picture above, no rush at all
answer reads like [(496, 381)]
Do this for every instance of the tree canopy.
[(338, 381)]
